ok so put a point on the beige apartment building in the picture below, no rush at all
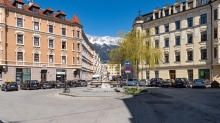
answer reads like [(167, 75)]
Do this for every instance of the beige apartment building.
[(188, 34), (37, 44)]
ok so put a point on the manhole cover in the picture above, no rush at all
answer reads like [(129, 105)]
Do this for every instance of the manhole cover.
[(158, 102), (159, 95)]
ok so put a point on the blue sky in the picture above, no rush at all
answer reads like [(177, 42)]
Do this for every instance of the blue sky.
[(104, 17)]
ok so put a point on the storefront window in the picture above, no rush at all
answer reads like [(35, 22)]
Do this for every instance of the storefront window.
[(190, 75), (204, 74)]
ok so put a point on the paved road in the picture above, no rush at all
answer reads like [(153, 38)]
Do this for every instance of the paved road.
[(163, 105)]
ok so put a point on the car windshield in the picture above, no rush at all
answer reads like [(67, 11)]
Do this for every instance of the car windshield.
[(83, 80), (12, 83), (198, 80), (132, 79), (34, 81)]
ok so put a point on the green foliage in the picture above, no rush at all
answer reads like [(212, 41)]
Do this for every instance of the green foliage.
[(133, 91), (136, 45)]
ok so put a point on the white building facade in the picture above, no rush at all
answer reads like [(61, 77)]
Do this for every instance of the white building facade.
[(188, 34)]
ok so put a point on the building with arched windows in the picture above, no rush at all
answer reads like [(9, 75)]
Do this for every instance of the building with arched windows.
[(187, 32), (38, 44)]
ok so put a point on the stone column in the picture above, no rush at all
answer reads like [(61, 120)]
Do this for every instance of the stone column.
[(181, 7), (194, 3), (159, 13), (187, 6)]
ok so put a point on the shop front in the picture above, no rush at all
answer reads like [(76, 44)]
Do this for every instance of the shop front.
[(60, 75), (23, 74), (204, 74)]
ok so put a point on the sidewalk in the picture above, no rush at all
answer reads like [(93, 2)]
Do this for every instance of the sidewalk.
[(83, 92)]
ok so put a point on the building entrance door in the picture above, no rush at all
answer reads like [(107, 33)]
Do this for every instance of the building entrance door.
[(43, 75), (172, 74)]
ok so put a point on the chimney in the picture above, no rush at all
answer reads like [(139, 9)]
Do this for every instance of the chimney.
[(30, 2)]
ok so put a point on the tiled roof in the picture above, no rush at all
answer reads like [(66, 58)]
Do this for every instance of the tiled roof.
[(75, 19), (35, 5), (41, 12)]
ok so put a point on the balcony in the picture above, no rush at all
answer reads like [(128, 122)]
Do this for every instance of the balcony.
[(189, 45), (203, 43)]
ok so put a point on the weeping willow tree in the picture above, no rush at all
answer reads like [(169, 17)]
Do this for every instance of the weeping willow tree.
[(136, 46)]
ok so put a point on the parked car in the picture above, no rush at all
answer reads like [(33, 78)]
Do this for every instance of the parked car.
[(132, 82), (144, 82), (156, 82), (12, 86), (45, 85), (30, 84), (57, 84), (71, 83), (81, 83), (182, 82), (199, 83), (167, 83)]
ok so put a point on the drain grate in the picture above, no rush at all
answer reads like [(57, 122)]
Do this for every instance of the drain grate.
[(158, 102), (159, 95)]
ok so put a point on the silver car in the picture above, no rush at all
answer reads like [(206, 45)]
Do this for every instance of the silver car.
[(144, 82), (199, 83), (132, 82)]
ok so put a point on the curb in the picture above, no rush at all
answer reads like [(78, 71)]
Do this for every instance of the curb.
[(85, 96), (67, 94)]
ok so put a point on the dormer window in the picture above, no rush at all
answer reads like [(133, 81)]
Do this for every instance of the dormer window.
[(62, 17), (35, 10), (19, 5), (49, 14)]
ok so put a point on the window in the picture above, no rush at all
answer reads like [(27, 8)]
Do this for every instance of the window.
[(156, 74), (78, 34), (19, 22), (73, 60), (177, 55), (190, 5), (157, 44), (190, 39), (63, 31), (78, 47), (50, 28), (184, 8), (73, 33), (215, 14), (20, 56), (203, 19), (156, 16), (156, 30), (166, 12), (215, 33), (36, 57), (177, 25), (177, 9), (64, 45), (203, 36), (190, 22), (35, 10), (203, 2), (177, 41), (190, 56), (166, 27), (49, 14), (166, 42), (204, 74), (78, 60), (203, 54), (64, 59), (50, 58), (36, 41), (166, 58), (36, 25), (50, 43), (19, 5), (19, 39), (62, 17), (215, 52), (73, 46), (190, 75)]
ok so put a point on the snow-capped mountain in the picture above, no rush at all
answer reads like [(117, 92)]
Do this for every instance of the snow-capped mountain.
[(103, 45), (103, 40)]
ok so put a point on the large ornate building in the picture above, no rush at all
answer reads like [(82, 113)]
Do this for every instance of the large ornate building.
[(188, 33), (38, 44)]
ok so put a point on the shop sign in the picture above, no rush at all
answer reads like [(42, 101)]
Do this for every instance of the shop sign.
[(9, 80), (202, 73), (61, 72)]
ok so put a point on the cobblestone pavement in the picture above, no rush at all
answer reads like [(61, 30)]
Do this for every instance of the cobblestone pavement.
[(161, 105)]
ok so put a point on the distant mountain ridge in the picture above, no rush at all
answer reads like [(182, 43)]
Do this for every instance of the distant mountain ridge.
[(103, 45)]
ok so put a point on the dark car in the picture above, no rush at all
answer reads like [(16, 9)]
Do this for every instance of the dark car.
[(181, 82), (45, 85), (30, 84), (167, 83), (12, 86), (81, 83), (71, 83), (57, 84), (156, 82)]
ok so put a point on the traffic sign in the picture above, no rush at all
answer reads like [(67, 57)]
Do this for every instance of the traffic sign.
[(128, 68), (127, 63)]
